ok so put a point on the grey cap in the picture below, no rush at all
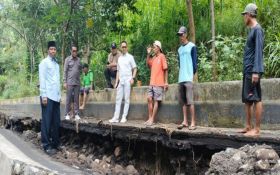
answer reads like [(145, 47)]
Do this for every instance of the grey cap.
[(251, 9), (182, 30)]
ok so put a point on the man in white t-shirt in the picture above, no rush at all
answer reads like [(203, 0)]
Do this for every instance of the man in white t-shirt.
[(126, 72)]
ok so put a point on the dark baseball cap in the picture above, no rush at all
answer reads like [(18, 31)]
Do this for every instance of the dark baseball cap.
[(182, 30), (113, 45), (251, 9)]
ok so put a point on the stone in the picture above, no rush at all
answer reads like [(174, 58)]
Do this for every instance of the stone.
[(17, 169), (118, 169), (82, 158), (266, 154), (89, 159), (29, 134), (247, 160), (262, 165), (130, 169), (71, 155), (108, 159), (117, 151), (97, 161), (239, 156)]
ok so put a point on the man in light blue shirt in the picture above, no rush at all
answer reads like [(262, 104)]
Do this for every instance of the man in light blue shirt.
[(187, 63), (50, 96)]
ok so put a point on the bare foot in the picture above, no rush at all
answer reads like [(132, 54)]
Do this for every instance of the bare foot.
[(82, 107), (245, 130), (252, 133)]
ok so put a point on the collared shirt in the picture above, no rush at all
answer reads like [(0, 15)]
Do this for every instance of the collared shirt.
[(49, 78), (114, 59), (157, 65), (126, 63), (253, 53), (72, 71)]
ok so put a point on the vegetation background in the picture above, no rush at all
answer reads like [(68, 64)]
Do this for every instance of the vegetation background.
[(27, 25)]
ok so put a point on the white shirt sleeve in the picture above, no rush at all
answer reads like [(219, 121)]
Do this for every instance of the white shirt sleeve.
[(132, 62)]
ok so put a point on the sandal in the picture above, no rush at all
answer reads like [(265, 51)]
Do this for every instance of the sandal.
[(181, 126), (192, 128)]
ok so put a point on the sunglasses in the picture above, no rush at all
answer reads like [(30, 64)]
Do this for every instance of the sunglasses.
[(74, 50), (180, 34), (124, 47)]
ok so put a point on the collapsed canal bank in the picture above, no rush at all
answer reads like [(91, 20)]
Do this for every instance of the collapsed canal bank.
[(96, 146)]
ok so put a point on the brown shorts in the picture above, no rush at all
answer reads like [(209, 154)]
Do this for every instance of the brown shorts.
[(186, 93), (156, 92)]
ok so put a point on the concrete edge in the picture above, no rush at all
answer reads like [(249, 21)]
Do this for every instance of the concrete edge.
[(13, 161)]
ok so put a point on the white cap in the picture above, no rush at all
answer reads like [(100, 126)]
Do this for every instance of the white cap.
[(158, 43)]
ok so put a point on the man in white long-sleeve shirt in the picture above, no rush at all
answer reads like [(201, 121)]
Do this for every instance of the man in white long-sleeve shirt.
[(50, 96), (126, 72)]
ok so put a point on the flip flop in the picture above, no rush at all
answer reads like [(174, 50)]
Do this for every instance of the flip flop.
[(192, 128), (150, 124), (245, 130), (181, 126)]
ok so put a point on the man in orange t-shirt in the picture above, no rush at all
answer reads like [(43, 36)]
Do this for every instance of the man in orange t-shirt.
[(158, 80)]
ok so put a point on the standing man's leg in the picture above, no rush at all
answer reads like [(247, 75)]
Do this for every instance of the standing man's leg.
[(81, 97), (46, 127), (120, 91), (68, 102), (46, 123), (76, 90), (158, 95), (55, 134), (127, 89), (108, 78), (258, 113), (183, 100), (190, 102), (150, 104), (192, 111), (85, 96)]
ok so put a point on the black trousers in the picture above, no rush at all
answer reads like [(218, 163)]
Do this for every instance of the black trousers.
[(50, 124), (108, 74)]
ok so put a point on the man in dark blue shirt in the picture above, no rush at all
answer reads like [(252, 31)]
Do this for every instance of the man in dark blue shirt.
[(252, 70)]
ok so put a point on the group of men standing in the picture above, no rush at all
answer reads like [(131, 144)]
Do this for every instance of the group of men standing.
[(122, 67), (156, 61)]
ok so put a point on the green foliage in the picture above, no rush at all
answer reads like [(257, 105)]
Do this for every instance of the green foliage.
[(98, 65), (26, 26), (272, 59)]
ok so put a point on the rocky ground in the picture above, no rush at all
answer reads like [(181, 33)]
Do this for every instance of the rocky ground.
[(92, 153), (247, 160)]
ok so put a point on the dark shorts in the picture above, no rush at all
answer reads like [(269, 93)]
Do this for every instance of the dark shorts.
[(251, 92), (84, 90), (186, 93), (156, 92)]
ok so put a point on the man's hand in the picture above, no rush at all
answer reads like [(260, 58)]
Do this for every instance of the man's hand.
[(165, 87), (116, 84), (255, 78), (65, 86), (132, 81), (45, 101), (149, 49)]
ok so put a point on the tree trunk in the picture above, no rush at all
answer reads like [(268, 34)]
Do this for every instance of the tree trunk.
[(191, 21), (214, 73), (191, 28)]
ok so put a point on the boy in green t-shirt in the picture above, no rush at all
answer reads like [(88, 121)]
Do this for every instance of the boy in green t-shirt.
[(87, 83)]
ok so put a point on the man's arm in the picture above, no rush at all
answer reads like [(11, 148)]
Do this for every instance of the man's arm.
[(194, 58), (42, 80), (258, 60), (117, 79)]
